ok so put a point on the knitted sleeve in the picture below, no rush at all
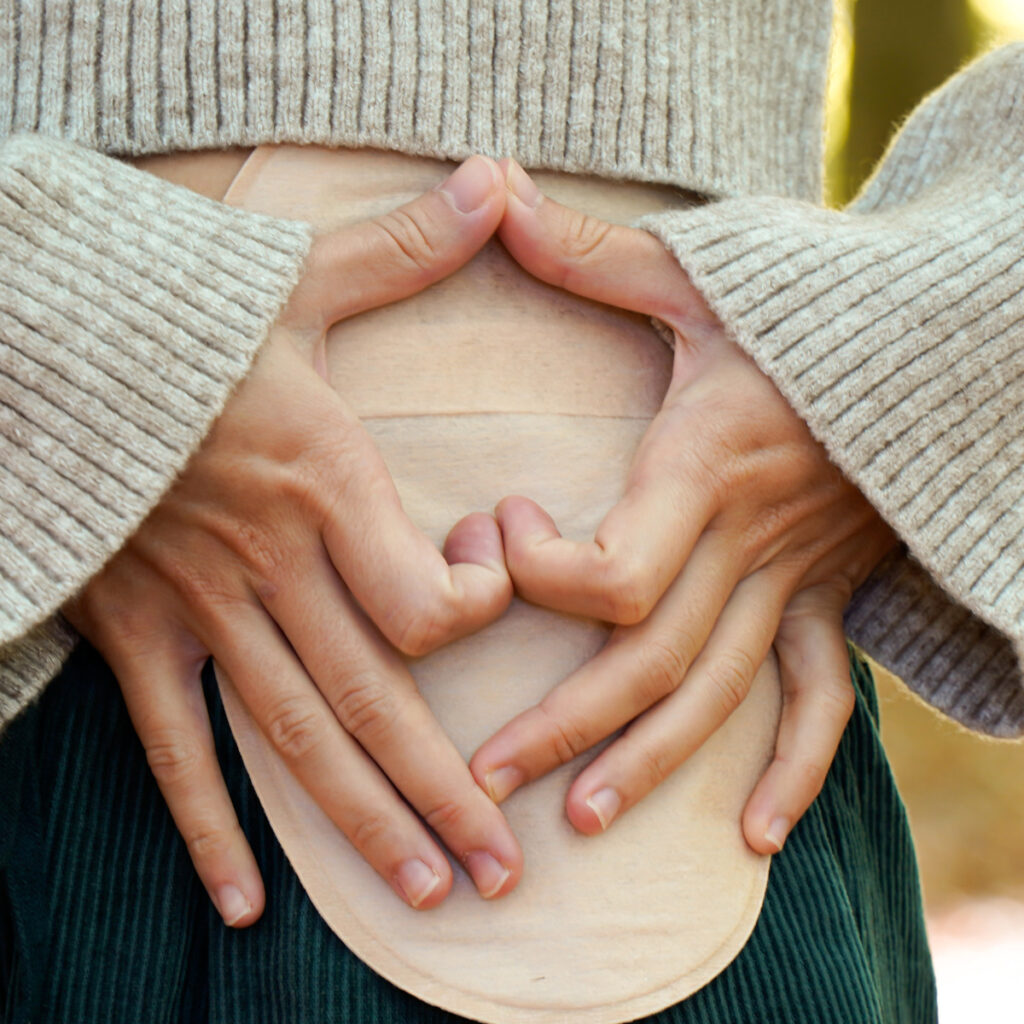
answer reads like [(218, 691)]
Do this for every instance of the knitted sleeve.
[(129, 310), (896, 329)]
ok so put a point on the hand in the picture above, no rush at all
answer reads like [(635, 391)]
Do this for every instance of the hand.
[(735, 531), (284, 552)]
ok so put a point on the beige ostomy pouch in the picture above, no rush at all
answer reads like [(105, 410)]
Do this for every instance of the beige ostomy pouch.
[(489, 384)]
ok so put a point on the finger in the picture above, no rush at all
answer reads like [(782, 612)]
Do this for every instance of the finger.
[(404, 251), (660, 740), (330, 765), (339, 489), (818, 700), (617, 265), (639, 666), (333, 768), (375, 700), (163, 693), (639, 547), (399, 578), (475, 539)]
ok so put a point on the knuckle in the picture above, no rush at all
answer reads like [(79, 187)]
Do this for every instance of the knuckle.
[(630, 594), (199, 588), (767, 525), (294, 728), (126, 628), (837, 591), (339, 472), (710, 460), (655, 766), (662, 667), (370, 832), (366, 708), (173, 756), (445, 816), (810, 775), (838, 702), (729, 677), (208, 842), (565, 739), (409, 239), (833, 700), (322, 484), (259, 549), (419, 630), (584, 235)]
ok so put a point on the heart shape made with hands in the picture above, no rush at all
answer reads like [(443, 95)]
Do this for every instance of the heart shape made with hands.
[(487, 384)]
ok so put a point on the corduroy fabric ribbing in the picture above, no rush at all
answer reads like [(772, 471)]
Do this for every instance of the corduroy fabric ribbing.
[(129, 311), (105, 921), (717, 96), (894, 328)]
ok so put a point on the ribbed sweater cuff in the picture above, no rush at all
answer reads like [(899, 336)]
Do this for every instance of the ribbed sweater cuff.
[(896, 343), (29, 663), (910, 625), (894, 329), (129, 310)]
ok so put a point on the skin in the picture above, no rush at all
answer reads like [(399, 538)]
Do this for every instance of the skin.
[(283, 551), (735, 532)]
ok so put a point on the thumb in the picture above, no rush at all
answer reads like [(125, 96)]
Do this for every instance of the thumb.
[(617, 265), (408, 249)]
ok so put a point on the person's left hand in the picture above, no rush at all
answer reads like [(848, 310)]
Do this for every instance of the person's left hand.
[(735, 532)]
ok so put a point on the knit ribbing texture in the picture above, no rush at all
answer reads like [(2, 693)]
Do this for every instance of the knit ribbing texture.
[(718, 96), (129, 310), (894, 328)]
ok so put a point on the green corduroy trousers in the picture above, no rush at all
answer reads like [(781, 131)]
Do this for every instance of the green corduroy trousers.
[(102, 920)]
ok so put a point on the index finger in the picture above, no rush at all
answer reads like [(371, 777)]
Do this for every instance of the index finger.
[(417, 596), (374, 698), (639, 547), (637, 668), (621, 266)]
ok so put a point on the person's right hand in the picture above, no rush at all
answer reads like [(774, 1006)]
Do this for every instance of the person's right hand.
[(284, 552)]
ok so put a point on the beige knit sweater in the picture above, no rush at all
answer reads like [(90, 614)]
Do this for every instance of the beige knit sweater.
[(129, 308)]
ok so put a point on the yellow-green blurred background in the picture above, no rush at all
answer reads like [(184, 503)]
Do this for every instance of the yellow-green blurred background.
[(890, 53), (965, 795)]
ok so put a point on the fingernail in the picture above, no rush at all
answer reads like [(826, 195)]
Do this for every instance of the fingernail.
[(417, 880), (605, 803), (232, 904), (503, 781), (489, 874), (777, 832), (470, 185), (521, 185), (491, 552)]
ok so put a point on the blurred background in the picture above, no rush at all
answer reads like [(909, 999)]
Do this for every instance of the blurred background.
[(964, 794), (887, 55)]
